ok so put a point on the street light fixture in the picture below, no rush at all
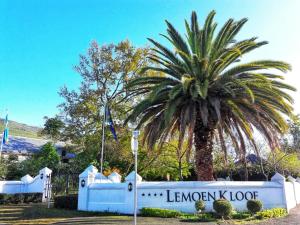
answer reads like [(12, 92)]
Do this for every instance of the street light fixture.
[(134, 148)]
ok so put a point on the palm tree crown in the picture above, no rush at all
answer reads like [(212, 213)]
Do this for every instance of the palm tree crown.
[(203, 91)]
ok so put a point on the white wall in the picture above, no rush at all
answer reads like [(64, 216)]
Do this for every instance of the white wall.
[(104, 194), (27, 184)]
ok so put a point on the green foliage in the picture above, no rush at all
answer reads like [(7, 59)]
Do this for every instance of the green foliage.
[(271, 213), (240, 215), (254, 206), (105, 70), (223, 208), (3, 169), (53, 128), (157, 212), (46, 157), (13, 169), (202, 87), (83, 108), (20, 198), (66, 202), (203, 217), (200, 205), (283, 162), (168, 161)]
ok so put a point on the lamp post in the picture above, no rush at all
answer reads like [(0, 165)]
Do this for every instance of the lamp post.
[(134, 147)]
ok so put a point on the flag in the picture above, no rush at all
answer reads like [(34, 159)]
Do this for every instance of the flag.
[(5, 136), (5, 132), (109, 121)]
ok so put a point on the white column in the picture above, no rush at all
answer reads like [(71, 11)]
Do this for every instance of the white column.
[(129, 193), (44, 175), (86, 178)]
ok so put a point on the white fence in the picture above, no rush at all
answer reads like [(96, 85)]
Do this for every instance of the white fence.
[(39, 184), (100, 193)]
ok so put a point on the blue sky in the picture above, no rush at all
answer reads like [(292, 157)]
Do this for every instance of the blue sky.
[(40, 40)]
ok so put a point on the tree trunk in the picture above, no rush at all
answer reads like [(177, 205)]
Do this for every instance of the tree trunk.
[(203, 150)]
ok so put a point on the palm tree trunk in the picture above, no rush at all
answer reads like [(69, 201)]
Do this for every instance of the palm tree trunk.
[(203, 151)]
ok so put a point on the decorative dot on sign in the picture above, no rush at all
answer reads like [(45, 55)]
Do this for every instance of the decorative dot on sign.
[(149, 194), (161, 194), (143, 194), (155, 194)]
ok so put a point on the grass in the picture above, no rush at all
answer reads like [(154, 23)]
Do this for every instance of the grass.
[(40, 214), (20, 129)]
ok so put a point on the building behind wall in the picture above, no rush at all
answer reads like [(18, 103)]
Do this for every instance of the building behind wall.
[(22, 147)]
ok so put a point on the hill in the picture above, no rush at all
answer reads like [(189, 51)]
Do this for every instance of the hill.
[(20, 129)]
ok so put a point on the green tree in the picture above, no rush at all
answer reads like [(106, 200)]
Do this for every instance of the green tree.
[(285, 163), (13, 170), (204, 91), (291, 141), (53, 128), (105, 70), (170, 163), (46, 157)]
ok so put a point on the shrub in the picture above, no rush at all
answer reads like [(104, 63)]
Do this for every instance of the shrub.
[(200, 205), (66, 202), (254, 206), (157, 212), (271, 213), (222, 207), (240, 215), (20, 198)]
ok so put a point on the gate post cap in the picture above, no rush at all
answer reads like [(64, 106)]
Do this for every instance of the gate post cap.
[(45, 170), (130, 177), (291, 179), (91, 170), (27, 178), (278, 178)]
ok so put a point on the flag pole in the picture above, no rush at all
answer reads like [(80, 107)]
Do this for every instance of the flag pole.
[(103, 136)]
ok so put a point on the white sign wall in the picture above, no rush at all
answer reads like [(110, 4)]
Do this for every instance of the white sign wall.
[(98, 193)]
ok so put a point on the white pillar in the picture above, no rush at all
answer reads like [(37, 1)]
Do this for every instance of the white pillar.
[(45, 180), (129, 180), (86, 178)]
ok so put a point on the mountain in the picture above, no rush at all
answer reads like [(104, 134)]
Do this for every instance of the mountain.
[(20, 129)]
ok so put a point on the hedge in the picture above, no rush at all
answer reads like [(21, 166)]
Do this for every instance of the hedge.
[(21, 198), (271, 213), (66, 202), (157, 212)]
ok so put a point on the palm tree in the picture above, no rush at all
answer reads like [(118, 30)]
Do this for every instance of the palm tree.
[(203, 91)]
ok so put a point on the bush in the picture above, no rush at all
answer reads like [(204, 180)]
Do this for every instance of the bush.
[(20, 198), (157, 212), (200, 205), (66, 202), (271, 213), (254, 206), (240, 215), (223, 208)]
